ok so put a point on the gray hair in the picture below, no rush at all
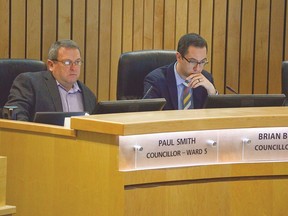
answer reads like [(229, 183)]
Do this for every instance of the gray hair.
[(53, 51)]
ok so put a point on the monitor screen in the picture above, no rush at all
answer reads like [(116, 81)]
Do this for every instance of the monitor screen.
[(244, 100), (138, 105), (54, 118)]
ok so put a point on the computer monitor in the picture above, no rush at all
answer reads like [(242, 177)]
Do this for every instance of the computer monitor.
[(136, 105), (244, 100), (54, 118)]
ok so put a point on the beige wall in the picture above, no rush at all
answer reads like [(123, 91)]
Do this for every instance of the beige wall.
[(248, 39)]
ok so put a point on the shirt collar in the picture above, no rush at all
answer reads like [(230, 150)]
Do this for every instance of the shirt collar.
[(179, 79), (75, 88)]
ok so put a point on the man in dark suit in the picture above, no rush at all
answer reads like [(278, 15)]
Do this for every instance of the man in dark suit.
[(55, 90), (184, 84)]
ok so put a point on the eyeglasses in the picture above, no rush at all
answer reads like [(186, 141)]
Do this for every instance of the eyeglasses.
[(69, 62), (194, 63)]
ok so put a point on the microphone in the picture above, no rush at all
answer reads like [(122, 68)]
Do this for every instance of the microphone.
[(231, 89), (149, 90)]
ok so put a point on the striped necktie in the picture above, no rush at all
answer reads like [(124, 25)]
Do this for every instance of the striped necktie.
[(186, 97)]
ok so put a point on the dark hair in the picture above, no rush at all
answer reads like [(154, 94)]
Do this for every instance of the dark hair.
[(191, 39), (53, 51)]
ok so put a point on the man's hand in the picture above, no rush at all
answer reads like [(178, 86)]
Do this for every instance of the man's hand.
[(199, 79)]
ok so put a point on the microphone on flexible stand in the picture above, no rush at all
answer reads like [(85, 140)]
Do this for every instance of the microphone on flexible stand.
[(231, 89), (148, 91)]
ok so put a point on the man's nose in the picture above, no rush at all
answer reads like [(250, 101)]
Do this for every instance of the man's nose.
[(197, 67)]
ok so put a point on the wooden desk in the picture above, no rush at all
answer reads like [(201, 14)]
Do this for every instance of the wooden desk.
[(5, 210), (58, 171), (3, 164)]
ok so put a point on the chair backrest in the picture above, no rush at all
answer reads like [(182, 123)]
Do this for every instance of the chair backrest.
[(10, 68), (285, 77), (133, 68)]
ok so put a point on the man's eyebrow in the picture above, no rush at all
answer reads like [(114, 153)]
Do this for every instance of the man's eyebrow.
[(197, 60)]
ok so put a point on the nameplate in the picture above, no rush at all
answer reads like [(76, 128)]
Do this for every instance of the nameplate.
[(162, 150), (166, 150), (266, 144)]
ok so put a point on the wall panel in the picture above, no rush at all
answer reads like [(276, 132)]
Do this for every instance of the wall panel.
[(78, 27), (138, 24), (116, 38), (276, 45), (194, 16), (49, 25), (33, 38), (181, 19), (247, 48), (169, 25), (158, 24), (261, 46), (104, 49), (91, 57), (206, 27), (128, 20), (4, 28), (219, 45), (64, 19), (248, 39), (233, 44), (286, 34), (18, 29), (148, 24)]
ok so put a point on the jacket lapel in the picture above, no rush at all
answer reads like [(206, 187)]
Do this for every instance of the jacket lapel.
[(171, 81), (53, 90), (86, 101)]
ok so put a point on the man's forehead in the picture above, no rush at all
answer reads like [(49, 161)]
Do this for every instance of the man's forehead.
[(197, 53), (63, 51), (196, 48), (67, 49)]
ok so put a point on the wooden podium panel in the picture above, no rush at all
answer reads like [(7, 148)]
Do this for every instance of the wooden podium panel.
[(57, 171), (52, 174), (3, 164), (252, 197), (5, 210), (231, 189)]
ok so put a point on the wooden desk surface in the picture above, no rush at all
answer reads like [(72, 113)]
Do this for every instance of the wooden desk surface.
[(7, 210), (35, 127), (3, 174), (162, 121), (182, 120)]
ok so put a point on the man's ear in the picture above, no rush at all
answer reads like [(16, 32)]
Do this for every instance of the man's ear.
[(178, 56), (50, 65)]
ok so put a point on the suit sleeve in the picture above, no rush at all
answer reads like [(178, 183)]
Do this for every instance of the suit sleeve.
[(22, 96), (151, 89), (208, 76), (89, 99)]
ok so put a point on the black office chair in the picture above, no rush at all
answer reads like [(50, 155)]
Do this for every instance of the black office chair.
[(285, 80), (9, 69), (133, 68), (285, 77)]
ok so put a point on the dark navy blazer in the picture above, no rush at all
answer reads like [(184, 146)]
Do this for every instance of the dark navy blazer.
[(163, 84)]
